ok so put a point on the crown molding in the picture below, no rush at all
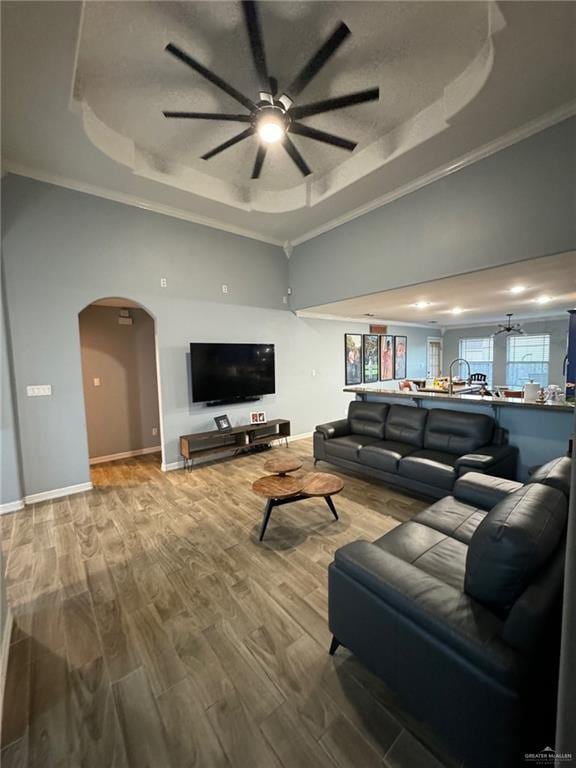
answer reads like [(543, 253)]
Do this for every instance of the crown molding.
[(136, 202), (508, 139)]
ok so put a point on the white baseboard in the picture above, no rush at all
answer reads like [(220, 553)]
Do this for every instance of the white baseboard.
[(303, 436), (125, 455), (11, 506), (173, 465), (180, 464), (57, 493)]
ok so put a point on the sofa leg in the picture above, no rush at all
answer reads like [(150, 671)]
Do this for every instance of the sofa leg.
[(316, 461), (333, 646)]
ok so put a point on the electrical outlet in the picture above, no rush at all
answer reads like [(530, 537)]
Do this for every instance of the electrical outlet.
[(39, 390), (285, 299), (224, 288), (154, 431), (163, 282), (314, 372), (97, 381)]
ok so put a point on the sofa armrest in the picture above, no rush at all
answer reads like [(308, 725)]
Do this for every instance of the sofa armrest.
[(484, 491), (484, 459), (439, 609), (334, 429)]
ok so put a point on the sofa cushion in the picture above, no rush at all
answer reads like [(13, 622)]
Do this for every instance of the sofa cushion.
[(483, 491), (457, 432), (368, 418), (347, 447), (452, 517), (405, 424), (555, 473), (430, 467), (384, 454), (429, 550), (512, 543)]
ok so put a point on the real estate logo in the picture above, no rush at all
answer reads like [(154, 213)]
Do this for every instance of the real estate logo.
[(548, 756)]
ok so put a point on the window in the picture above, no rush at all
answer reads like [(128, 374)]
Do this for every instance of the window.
[(480, 355), (527, 357)]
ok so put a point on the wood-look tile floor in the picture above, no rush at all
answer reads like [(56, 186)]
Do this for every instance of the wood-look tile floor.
[(153, 630)]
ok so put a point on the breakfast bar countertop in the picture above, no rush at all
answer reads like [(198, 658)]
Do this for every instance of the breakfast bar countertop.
[(512, 402)]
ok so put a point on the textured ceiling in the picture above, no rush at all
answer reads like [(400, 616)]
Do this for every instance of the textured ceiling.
[(411, 50), (81, 100)]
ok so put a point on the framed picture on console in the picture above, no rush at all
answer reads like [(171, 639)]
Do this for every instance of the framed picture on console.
[(222, 422), (386, 358), (353, 358), (370, 356), (400, 347)]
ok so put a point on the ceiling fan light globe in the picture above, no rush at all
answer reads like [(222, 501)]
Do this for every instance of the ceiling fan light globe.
[(270, 130)]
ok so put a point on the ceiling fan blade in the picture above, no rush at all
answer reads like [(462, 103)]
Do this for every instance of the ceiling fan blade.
[(210, 76), (315, 64), (296, 156), (326, 138), (339, 102), (209, 116), (252, 20), (260, 155), (229, 143)]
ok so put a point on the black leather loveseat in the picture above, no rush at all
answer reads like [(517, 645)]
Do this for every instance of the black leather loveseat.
[(458, 611), (418, 449)]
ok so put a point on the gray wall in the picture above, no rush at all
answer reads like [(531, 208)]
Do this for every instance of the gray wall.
[(556, 328), (63, 250), (123, 411), (10, 476), (516, 204)]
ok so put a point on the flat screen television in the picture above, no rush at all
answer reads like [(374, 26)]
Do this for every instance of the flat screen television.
[(231, 372)]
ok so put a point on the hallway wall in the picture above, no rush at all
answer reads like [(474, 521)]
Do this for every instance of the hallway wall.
[(122, 411)]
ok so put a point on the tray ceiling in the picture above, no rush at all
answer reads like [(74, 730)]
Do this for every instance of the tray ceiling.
[(84, 87), (124, 79)]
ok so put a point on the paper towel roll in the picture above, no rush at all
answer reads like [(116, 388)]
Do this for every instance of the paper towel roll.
[(531, 391)]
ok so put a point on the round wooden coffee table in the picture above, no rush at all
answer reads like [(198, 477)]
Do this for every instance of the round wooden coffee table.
[(281, 465), (285, 489), (277, 486)]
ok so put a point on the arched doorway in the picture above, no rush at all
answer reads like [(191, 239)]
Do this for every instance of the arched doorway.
[(120, 380)]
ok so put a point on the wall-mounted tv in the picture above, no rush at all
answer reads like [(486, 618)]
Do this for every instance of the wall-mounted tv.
[(231, 372)]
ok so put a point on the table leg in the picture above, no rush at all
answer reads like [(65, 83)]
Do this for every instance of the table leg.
[(331, 506), (267, 513)]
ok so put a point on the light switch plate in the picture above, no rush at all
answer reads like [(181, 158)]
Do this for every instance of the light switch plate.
[(97, 381), (39, 390)]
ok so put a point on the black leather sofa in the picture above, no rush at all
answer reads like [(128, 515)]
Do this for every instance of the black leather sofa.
[(422, 450), (458, 611)]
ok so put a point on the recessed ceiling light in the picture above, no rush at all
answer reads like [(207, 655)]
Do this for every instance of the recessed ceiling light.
[(457, 311), (543, 299), (422, 304), (518, 289)]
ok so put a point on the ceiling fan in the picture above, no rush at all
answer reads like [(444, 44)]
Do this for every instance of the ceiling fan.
[(272, 119), (509, 327)]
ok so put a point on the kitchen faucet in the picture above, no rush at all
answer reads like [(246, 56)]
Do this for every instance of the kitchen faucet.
[(451, 383)]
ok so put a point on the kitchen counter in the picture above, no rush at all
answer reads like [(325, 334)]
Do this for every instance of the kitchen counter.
[(505, 402), (540, 432)]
